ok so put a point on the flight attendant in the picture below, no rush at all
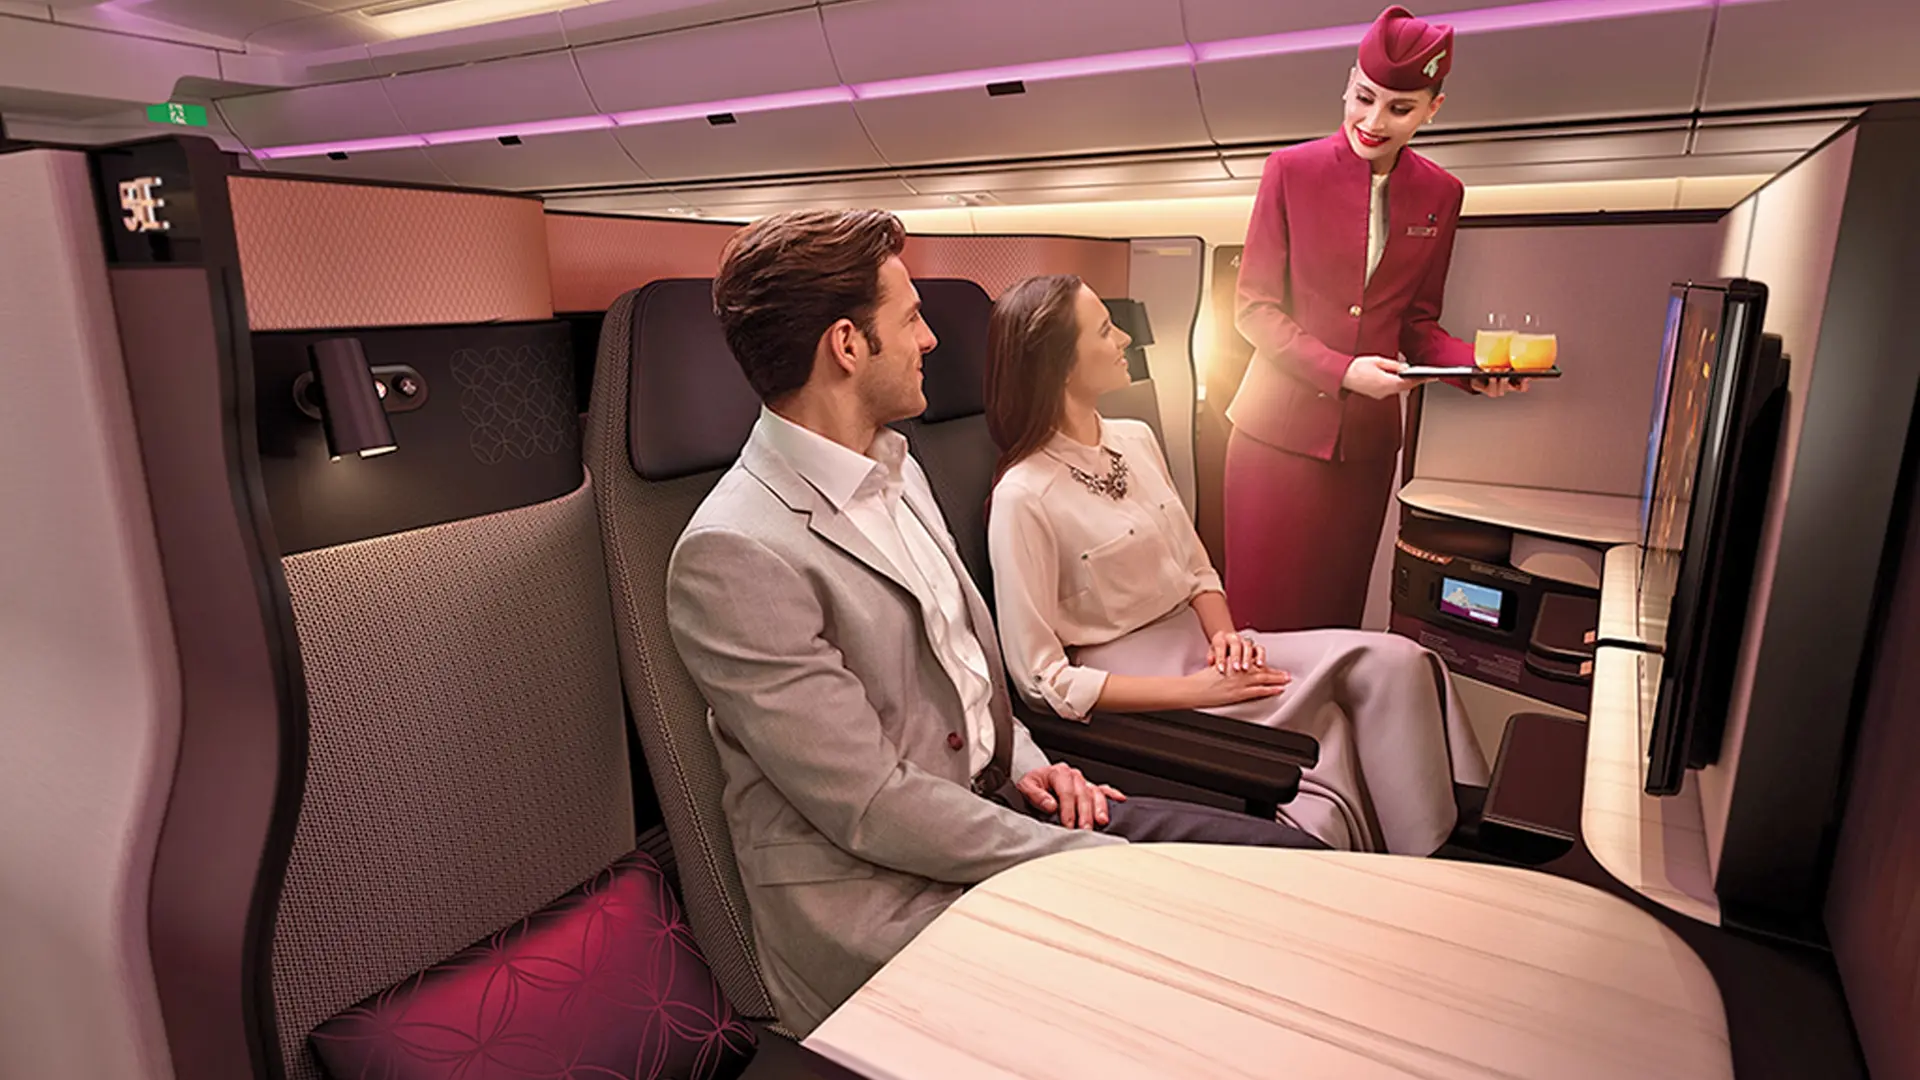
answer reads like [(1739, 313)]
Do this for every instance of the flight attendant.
[(1344, 268)]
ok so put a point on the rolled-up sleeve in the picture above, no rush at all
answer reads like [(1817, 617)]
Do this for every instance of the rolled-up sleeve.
[(1026, 591)]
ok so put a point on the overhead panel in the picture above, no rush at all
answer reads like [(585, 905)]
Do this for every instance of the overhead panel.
[(515, 37), (1736, 136), (490, 94), (1647, 65), (1204, 166), (752, 57), (1221, 20), (1272, 98), (1797, 52), (1640, 169), (399, 166), (815, 138), (538, 162), (880, 191), (1557, 149), (1190, 189), (611, 20), (333, 112), (876, 40), (1135, 110)]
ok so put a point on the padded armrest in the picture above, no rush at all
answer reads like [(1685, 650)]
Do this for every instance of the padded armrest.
[(1236, 759), (1303, 750)]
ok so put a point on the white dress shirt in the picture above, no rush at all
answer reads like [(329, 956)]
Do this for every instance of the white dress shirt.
[(1376, 223), (1073, 568), (868, 489)]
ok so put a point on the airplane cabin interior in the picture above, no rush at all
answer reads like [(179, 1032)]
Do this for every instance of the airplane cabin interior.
[(360, 371)]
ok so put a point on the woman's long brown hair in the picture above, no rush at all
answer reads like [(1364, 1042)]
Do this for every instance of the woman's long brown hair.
[(1031, 345)]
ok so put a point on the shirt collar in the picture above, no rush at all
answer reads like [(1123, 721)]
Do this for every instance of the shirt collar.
[(1092, 459), (839, 474)]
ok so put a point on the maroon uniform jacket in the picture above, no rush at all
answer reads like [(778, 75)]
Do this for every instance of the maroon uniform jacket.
[(1306, 304)]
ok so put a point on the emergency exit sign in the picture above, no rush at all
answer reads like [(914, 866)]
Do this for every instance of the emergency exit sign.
[(175, 113)]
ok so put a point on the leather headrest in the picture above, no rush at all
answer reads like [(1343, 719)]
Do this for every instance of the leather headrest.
[(689, 406), (956, 370)]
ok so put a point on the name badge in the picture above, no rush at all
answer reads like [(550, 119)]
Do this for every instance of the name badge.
[(1422, 230)]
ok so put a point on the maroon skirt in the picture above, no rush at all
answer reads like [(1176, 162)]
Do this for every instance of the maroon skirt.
[(1301, 535)]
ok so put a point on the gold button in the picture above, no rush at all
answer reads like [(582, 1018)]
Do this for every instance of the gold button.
[(1354, 311)]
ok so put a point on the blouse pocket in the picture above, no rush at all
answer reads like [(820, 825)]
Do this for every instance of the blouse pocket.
[(1127, 576)]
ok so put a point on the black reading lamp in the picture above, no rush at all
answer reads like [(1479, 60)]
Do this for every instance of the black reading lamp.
[(349, 400), (1131, 316)]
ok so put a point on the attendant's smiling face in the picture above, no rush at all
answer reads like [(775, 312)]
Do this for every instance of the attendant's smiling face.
[(1380, 122)]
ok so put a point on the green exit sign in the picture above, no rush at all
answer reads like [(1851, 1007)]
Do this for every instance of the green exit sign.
[(176, 113)]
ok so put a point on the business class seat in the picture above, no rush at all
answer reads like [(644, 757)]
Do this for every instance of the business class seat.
[(1173, 753), (669, 413), (468, 750)]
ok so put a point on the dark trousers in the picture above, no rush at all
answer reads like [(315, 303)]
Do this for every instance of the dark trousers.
[(1143, 819)]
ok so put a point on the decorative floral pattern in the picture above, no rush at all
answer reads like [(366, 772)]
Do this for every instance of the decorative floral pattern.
[(605, 983)]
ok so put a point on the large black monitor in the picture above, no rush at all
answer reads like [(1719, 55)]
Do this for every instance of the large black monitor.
[(1717, 414)]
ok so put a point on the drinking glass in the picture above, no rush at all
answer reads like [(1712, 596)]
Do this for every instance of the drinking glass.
[(1532, 347), (1492, 344)]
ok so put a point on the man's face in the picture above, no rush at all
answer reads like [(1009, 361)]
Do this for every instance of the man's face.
[(890, 380)]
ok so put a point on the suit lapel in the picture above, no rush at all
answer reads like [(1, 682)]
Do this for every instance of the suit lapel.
[(771, 469)]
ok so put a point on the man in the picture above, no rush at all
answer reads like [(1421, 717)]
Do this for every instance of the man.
[(873, 769)]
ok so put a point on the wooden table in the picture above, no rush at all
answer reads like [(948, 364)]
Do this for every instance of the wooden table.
[(1561, 515), (1176, 961)]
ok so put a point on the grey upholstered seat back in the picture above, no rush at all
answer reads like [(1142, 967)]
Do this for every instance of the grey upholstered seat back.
[(669, 412), (467, 758)]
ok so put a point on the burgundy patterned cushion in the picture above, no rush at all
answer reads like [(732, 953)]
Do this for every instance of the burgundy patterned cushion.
[(604, 983)]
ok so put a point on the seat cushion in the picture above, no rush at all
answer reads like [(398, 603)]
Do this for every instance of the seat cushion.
[(606, 981)]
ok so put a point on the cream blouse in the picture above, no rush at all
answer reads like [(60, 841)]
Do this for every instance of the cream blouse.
[(1073, 568)]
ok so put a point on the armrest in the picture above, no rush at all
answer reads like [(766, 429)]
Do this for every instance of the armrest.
[(1302, 750), (1236, 759)]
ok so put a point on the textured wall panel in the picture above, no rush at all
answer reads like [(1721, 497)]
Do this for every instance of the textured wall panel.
[(318, 254), (595, 259)]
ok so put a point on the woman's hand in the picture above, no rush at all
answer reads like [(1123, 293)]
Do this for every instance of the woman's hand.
[(1377, 377), (1229, 652), (1211, 688), (1498, 386)]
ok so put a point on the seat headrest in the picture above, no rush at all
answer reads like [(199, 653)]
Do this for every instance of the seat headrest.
[(956, 371), (689, 406)]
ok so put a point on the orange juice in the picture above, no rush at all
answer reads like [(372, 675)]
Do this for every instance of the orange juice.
[(1533, 352), (1491, 348)]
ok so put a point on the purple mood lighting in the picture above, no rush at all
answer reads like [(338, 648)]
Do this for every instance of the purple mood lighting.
[(1481, 20)]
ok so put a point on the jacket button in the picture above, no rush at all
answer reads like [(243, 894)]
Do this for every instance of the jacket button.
[(1354, 311), (955, 742)]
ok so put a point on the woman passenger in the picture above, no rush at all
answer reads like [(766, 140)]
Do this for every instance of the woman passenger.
[(1106, 598)]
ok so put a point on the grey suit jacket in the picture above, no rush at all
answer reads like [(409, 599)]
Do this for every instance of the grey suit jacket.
[(851, 810)]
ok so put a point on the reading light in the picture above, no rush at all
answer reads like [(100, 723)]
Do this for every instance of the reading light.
[(350, 407), (1131, 316)]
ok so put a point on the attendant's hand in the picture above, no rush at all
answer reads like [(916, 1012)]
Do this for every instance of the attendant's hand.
[(1377, 377), (1499, 385), (1229, 652), (1213, 688), (1081, 803)]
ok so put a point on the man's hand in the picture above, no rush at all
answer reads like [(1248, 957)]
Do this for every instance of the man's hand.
[(1061, 787), (1377, 377), (1229, 652)]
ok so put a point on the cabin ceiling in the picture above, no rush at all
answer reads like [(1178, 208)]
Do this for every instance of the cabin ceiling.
[(617, 105)]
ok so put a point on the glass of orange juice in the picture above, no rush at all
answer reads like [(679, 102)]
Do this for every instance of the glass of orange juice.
[(1532, 348), (1492, 344)]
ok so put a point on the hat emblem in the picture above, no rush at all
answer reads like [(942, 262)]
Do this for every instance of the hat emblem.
[(1433, 65)]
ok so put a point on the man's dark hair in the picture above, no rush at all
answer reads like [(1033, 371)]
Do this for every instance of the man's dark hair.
[(785, 279)]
